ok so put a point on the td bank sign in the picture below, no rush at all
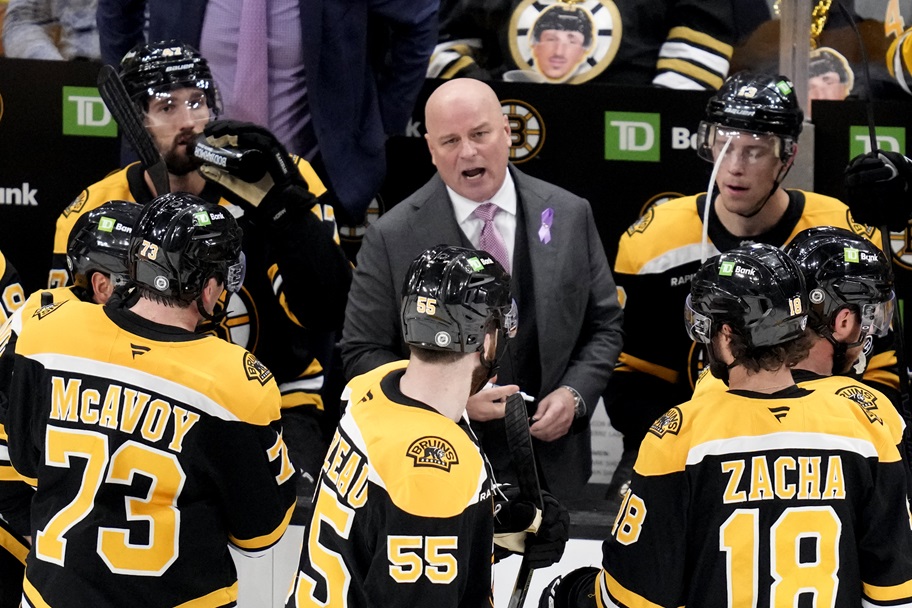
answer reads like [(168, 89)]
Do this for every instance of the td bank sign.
[(891, 139), (632, 136)]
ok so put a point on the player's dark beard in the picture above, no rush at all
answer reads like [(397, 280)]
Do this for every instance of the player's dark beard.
[(181, 163)]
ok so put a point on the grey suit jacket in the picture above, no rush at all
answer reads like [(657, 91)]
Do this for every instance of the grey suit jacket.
[(576, 307)]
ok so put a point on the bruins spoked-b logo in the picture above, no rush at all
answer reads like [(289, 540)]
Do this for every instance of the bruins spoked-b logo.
[(527, 129), (669, 422), (433, 452), (558, 41)]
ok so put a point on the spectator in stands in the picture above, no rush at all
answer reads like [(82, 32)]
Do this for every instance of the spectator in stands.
[(569, 317), (370, 58), (51, 29)]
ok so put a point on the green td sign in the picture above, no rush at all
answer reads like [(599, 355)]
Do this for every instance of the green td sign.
[(890, 139), (632, 136), (84, 113)]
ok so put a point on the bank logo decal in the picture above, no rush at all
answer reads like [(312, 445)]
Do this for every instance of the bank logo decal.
[(633, 136), (527, 129), (891, 139), (84, 113)]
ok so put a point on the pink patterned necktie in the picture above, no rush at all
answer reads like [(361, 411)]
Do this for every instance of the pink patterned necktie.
[(251, 79), (491, 239)]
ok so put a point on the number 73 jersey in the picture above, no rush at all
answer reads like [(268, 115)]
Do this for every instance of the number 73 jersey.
[(403, 513), (740, 500)]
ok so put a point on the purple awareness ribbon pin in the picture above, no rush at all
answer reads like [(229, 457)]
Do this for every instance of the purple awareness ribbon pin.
[(544, 233)]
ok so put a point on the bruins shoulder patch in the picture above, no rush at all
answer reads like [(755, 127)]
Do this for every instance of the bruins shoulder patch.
[(256, 370), (433, 452), (642, 222), (47, 309), (77, 205), (668, 423), (864, 398)]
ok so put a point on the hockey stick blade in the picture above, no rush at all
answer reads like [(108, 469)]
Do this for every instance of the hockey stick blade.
[(519, 442), (117, 100)]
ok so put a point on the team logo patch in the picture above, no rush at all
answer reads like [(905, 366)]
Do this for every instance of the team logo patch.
[(642, 223), (46, 310), (669, 422), (256, 370), (433, 452), (77, 205), (864, 398), (859, 229), (816, 296)]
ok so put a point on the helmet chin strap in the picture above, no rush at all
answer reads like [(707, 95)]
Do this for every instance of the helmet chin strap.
[(776, 183), (717, 367), (215, 318), (839, 349)]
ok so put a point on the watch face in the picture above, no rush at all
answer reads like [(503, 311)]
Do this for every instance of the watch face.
[(564, 41)]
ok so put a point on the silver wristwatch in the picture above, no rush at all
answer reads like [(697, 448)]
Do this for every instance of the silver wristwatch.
[(579, 406)]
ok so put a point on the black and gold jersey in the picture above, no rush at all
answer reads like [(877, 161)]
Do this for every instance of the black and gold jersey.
[(403, 513), (657, 256), (281, 311), (879, 408), (12, 295), (15, 490), (741, 499), (153, 447)]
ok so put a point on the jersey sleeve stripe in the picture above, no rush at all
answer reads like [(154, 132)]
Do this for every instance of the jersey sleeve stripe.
[(889, 594), (260, 543)]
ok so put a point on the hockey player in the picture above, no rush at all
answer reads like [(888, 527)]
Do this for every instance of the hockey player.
[(97, 257), (756, 120), (12, 295), (153, 446), (850, 288), (298, 276), (403, 512), (766, 495)]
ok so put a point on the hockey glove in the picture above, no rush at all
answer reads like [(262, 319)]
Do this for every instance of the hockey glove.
[(520, 527), (879, 188), (281, 184), (571, 590)]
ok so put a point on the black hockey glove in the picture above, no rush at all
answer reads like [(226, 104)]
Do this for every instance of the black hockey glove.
[(520, 527), (281, 185), (879, 188), (572, 590)]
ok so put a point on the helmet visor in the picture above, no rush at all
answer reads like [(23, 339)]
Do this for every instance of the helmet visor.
[(876, 318), (698, 325), (169, 106)]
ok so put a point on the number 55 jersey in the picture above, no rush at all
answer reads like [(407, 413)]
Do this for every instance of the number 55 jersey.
[(739, 499), (153, 449), (403, 513)]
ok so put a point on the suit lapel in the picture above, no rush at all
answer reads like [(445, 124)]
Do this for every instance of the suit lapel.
[(433, 221), (543, 262)]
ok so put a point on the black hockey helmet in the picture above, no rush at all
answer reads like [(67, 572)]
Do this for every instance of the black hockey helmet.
[(157, 67), (180, 241), (451, 297), (99, 242), (755, 288), (842, 269), (762, 104)]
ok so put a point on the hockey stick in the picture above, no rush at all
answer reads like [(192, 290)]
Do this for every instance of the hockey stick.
[(519, 442), (124, 112)]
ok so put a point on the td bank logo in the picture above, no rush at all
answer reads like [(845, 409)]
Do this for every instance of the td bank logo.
[(632, 136), (890, 139), (84, 113)]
